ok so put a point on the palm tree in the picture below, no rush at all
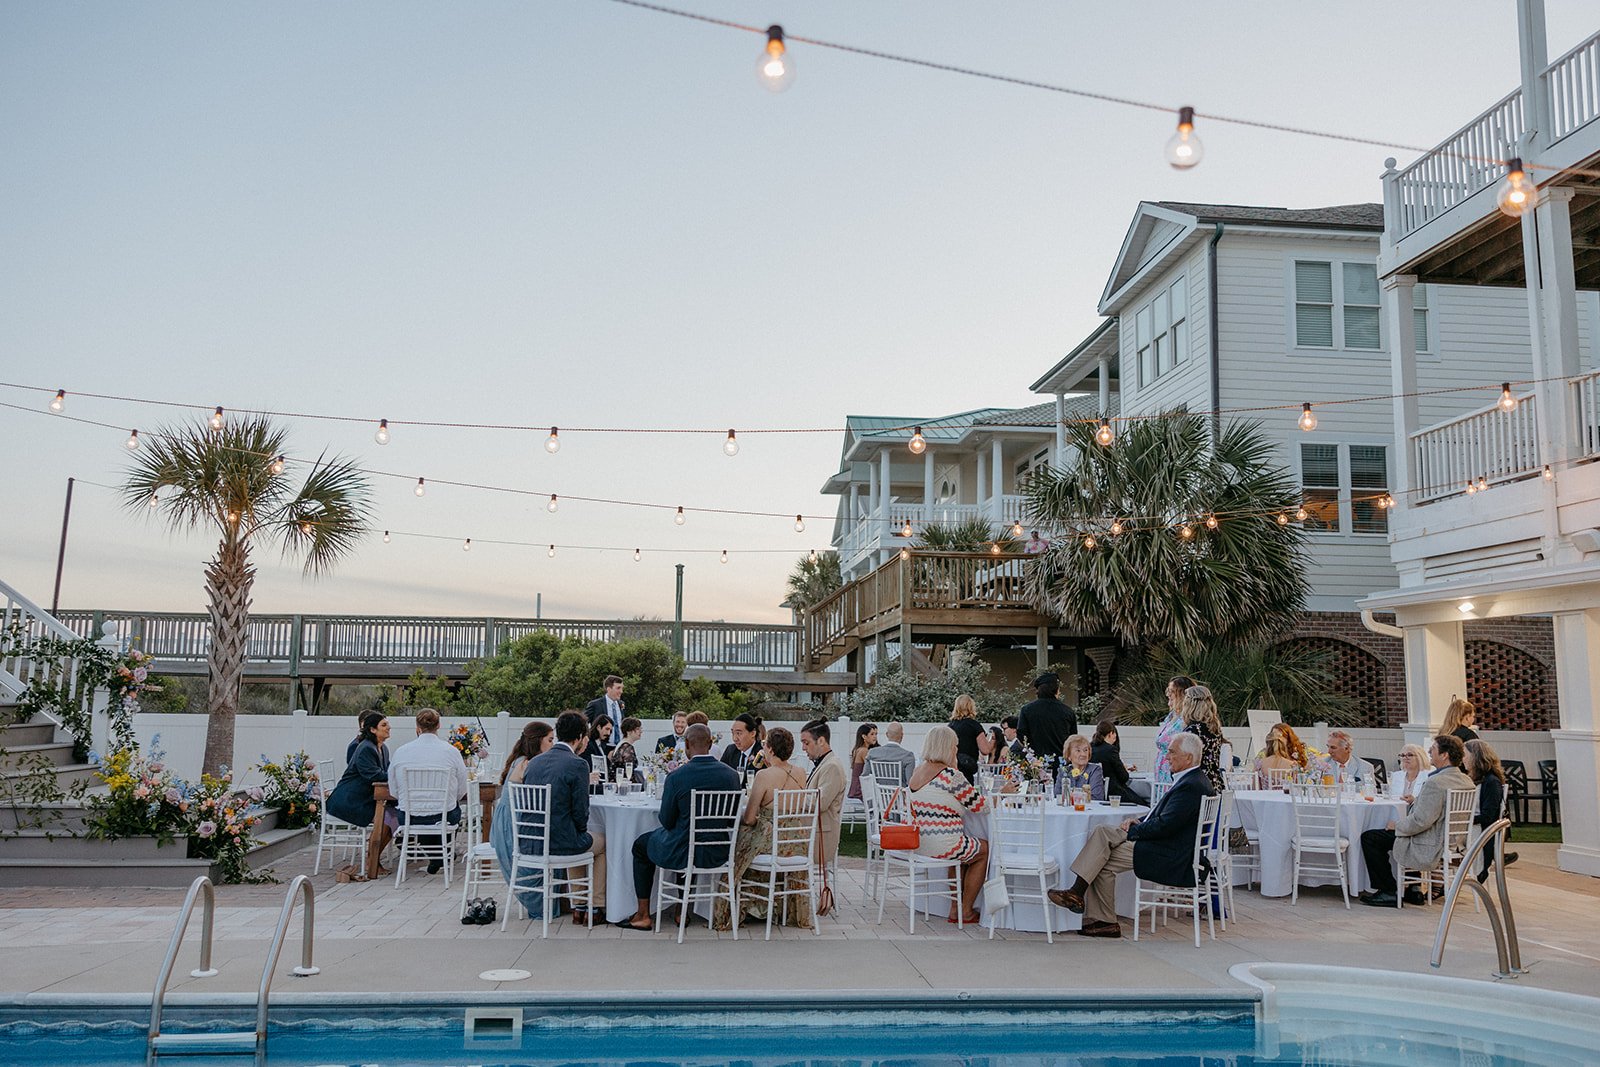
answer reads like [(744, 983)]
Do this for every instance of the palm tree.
[(1134, 547), (813, 580), (232, 480), (968, 535)]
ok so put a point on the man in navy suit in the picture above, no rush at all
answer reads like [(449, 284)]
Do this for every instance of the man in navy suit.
[(565, 770), (669, 846), (1158, 848)]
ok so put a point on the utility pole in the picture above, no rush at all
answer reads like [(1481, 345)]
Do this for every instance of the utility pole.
[(61, 553), (677, 617)]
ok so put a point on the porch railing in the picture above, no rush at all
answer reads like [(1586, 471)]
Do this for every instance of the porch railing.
[(25, 622), (1573, 82), (1461, 166), (1490, 444), (1586, 406)]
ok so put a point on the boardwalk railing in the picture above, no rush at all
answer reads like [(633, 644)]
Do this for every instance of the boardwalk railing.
[(312, 640), (1490, 443)]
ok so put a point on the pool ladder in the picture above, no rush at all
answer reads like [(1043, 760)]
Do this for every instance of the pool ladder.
[(241, 1042), (1507, 950)]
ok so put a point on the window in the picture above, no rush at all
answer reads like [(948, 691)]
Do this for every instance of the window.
[(1161, 331), (1031, 466), (1332, 476), (1141, 335), (1419, 317), (1337, 308)]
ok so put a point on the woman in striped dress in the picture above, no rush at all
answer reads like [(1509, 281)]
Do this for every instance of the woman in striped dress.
[(939, 794)]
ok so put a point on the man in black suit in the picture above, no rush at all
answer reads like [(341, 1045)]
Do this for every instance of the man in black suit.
[(744, 753), (666, 746), (608, 706), (565, 770), (1013, 743), (1045, 724), (669, 846), (1158, 848)]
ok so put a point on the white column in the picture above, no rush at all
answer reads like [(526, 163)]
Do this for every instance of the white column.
[(999, 482), (1577, 641), (1436, 671), (1555, 353), (981, 491), (1533, 55), (1105, 386), (883, 480), (872, 491), (927, 486), (1060, 459), (1398, 293)]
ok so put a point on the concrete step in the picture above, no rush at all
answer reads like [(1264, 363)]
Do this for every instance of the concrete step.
[(63, 819), (67, 776), (34, 860), (23, 757), (30, 733)]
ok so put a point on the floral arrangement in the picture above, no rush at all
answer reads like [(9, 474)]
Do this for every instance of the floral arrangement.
[(1029, 766), (293, 789), (221, 828), (470, 741), (660, 764), (143, 798), (127, 679)]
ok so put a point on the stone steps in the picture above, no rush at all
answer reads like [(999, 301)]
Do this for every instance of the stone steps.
[(35, 858), (31, 733), (22, 757)]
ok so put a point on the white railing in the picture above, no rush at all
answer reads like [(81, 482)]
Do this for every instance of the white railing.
[(1013, 508), (25, 622), (1491, 444), (1572, 83), (1470, 160), (1586, 405)]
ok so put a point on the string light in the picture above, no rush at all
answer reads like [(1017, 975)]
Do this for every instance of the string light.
[(552, 552), (812, 558), (1183, 148), (233, 517), (775, 68), (918, 444), (1211, 522), (1507, 401), (905, 553), (382, 436), (1483, 484), (730, 447), (1089, 542), (216, 418), (1283, 520), (1301, 514), (553, 505), (994, 549), (905, 531), (1105, 435), (466, 546), (386, 537), (132, 441), (1549, 475), (552, 444), (422, 487), (1116, 527), (277, 464), (799, 524), (1472, 487), (724, 555), (155, 500), (680, 518), (58, 403), (636, 555), (1515, 195), (305, 528), (1308, 418), (1186, 532), (1016, 529)]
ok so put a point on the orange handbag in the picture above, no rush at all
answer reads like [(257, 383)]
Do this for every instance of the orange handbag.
[(898, 836)]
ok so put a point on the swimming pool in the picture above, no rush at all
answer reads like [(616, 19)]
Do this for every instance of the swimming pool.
[(1279, 1015)]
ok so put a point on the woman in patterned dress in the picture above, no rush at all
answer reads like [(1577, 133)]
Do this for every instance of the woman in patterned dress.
[(1200, 718), (1171, 726), (939, 794), (756, 836)]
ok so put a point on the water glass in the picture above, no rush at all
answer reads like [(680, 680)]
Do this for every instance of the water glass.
[(1114, 800)]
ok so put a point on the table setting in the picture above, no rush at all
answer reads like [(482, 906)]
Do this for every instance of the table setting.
[(1269, 813)]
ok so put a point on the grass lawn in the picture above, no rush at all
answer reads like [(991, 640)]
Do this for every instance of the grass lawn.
[(1534, 832), (853, 842)]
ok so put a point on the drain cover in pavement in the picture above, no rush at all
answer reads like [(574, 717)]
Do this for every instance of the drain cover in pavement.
[(506, 974)]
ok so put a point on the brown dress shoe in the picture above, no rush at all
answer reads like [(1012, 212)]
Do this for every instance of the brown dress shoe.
[(1099, 929), (1066, 898)]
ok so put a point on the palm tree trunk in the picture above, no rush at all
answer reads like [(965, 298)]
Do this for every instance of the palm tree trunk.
[(228, 581)]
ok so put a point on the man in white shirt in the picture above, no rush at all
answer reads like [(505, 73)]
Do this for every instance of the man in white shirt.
[(1342, 763), (428, 751)]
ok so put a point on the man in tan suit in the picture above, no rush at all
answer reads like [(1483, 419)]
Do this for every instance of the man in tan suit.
[(1415, 839), (828, 779)]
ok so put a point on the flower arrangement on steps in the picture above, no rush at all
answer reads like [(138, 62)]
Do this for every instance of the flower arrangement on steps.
[(293, 789)]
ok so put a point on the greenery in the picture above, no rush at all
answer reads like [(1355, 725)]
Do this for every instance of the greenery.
[(227, 481), (1240, 584), (899, 692), (814, 580), (419, 691), (969, 535), (1298, 681), (67, 695), (292, 790)]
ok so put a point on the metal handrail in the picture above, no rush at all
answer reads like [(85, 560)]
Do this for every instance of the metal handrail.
[(1501, 922), (205, 970), (302, 886)]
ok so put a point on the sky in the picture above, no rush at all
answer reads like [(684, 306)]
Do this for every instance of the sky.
[(580, 213)]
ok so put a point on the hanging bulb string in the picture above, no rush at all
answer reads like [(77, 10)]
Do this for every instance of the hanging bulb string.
[(629, 549)]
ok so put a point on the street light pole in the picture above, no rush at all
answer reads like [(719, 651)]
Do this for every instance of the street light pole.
[(61, 552), (677, 617)]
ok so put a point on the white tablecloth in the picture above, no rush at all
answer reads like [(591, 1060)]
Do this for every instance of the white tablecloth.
[(622, 820), (1065, 833), (1270, 813)]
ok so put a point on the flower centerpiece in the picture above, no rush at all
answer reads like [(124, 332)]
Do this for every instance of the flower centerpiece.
[(221, 831), (293, 789), (470, 741), (1026, 766)]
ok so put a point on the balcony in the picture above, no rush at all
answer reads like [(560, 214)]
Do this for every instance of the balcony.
[(874, 532), (1481, 449)]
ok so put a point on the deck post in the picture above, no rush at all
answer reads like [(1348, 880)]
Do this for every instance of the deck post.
[(490, 636), (1041, 644), (906, 567), (927, 486), (296, 636)]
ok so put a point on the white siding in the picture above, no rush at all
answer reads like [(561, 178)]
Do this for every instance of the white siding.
[(1189, 383)]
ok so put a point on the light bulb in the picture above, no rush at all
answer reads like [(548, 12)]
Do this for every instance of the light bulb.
[(724, 555), (1116, 527), (1387, 501), (216, 418), (1283, 520), (133, 441), (155, 500), (1549, 475), (1516, 192), (905, 531), (386, 537), (636, 556), (305, 528), (277, 464), (799, 524), (1472, 487), (994, 549), (466, 546), (552, 552), (1186, 532), (730, 447), (1507, 401), (554, 503), (58, 402), (1089, 542), (680, 518), (812, 558), (382, 436), (1016, 529), (905, 553), (1211, 522), (1465, 606), (1184, 149), (1308, 418), (1105, 434), (775, 68), (552, 444), (233, 517), (1301, 514), (1483, 483), (422, 487), (918, 443)]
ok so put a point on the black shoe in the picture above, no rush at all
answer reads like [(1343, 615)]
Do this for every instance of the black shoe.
[(1379, 900), (1483, 876), (435, 866), (1511, 857), (485, 912), (1415, 898)]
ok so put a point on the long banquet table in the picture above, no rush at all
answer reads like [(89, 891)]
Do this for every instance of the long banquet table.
[(1270, 813)]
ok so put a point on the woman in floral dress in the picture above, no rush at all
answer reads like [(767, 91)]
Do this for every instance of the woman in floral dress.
[(1171, 726), (756, 836)]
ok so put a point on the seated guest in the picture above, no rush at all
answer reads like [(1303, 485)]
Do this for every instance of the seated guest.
[(1413, 769), (668, 846), (536, 739), (565, 770), (939, 793), (892, 751), (1416, 839), (992, 748), (1008, 726), (625, 755), (756, 839), (697, 718), (1158, 848), (1283, 752), (673, 742), (743, 753), (1341, 763), (352, 799), (866, 741), (601, 734), (1482, 764), (828, 778), (429, 751), (1106, 750), (1078, 773)]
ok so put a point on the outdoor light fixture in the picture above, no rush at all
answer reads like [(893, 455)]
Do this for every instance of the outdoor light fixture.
[(1515, 195), (552, 444), (1186, 532), (775, 68), (724, 555), (1211, 522), (1016, 529), (905, 553), (1472, 487), (636, 555), (918, 444), (1089, 542), (680, 517), (1105, 435), (1507, 401), (1116, 527), (58, 402), (276, 466), (994, 549), (133, 441), (1483, 484), (1301, 515), (155, 500), (216, 418), (554, 503), (552, 552), (466, 546), (422, 487), (730, 447), (233, 517), (305, 528), (1465, 606), (905, 531), (1283, 520), (386, 537), (1184, 149), (1308, 418), (799, 524), (382, 436), (812, 558), (1549, 475)]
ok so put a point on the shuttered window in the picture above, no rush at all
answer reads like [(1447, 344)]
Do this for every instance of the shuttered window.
[(1313, 305), (1369, 480), (1419, 318), (1336, 305), (1319, 478), (1361, 305)]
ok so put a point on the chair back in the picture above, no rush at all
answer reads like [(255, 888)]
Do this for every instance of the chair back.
[(427, 790), (1516, 776), (713, 826), (1547, 771), (1157, 791), (893, 803), (1316, 810), (1239, 779), (1277, 777), (1218, 843), (1016, 827), (1460, 806), (885, 770), (794, 821), (1205, 830), (530, 818), (869, 804)]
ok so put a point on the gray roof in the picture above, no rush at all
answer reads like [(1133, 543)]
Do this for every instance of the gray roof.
[(1075, 408), (1342, 216)]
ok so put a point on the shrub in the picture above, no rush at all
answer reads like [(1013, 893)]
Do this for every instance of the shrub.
[(899, 693)]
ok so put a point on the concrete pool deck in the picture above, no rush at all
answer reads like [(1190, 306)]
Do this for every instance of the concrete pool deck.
[(374, 937)]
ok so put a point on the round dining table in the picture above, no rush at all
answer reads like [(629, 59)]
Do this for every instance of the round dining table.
[(1270, 814), (622, 820)]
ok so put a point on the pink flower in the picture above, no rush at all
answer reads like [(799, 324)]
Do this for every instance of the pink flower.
[(155, 768), (142, 792), (207, 828)]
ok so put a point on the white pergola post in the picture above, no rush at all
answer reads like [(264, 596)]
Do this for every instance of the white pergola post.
[(981, 491), (1553, 299), (1436, 671), (884, 461), (927, 486), (1399, 292), (1105, 386), (1577, 641), (1060, 459), (996, 505)]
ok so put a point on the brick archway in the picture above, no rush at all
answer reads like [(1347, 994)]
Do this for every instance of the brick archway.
[(1509, 687), (1357, 674)]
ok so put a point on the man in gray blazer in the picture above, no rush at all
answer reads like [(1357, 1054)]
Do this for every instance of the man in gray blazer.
[(892, 751), (1415, 839)]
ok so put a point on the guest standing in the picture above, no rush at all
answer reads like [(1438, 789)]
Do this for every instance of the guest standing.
[(1459, 718), (1044, 724), (1200, 718), (608, 705), (964, 721), (860, 752), (1171, 726), (829, 779), (939, 794), (352, 799)]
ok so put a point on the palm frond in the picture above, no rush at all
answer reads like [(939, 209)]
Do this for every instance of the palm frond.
[(327, 517)]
